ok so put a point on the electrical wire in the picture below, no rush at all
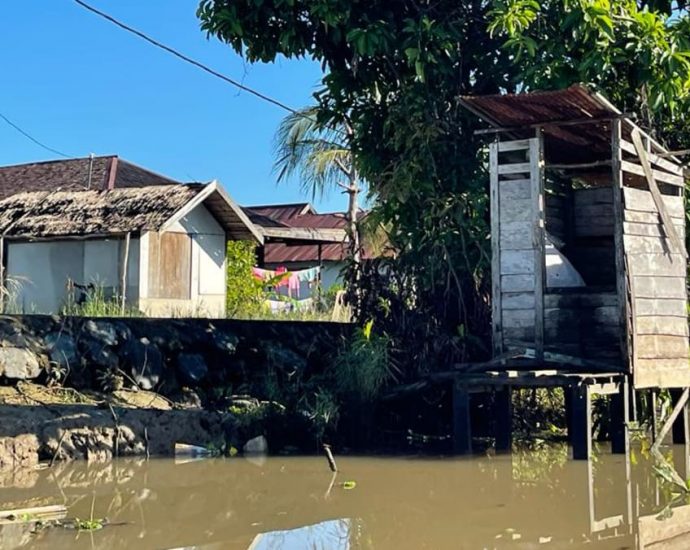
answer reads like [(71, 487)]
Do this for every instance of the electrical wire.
[(30, 137), (186, 58)]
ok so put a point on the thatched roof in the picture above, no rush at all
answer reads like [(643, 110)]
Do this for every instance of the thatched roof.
[(117, 211)]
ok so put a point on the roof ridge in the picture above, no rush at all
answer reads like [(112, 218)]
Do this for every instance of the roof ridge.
[(55, 161)]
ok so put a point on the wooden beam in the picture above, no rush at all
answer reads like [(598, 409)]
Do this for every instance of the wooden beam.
[(561, 123), (656, 195), (655, 159), (620, 416), (537, 197), (681, 153), (496, 303), (632, 168), (314, 236), (123, 279), (680, 405), (579, 166), (514, 145)]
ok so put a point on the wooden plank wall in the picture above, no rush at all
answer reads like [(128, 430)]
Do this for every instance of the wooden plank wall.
[(583, 323), (657, 274), (515, 211), (170, 265), (592, 251)]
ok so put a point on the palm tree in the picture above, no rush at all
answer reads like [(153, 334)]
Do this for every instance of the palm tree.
[(321, 156)]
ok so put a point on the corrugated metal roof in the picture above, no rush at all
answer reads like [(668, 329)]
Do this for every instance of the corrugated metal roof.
[(283, 212), (522, 112)]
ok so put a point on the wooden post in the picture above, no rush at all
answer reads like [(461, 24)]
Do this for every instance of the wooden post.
[(462, 425), (581, 422), (496, 308), (537, 187), (3, 286), (651, 409), (123, 283), (627, 355), (620, 416), (503, 410)]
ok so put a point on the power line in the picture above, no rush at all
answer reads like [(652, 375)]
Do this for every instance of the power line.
[(185, 58), (29, 136)]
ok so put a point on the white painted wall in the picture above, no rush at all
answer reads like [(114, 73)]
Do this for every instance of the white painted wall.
[(208, 269), (42, 269)]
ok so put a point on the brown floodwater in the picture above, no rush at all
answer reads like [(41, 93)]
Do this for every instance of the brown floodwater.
[(531, 499)]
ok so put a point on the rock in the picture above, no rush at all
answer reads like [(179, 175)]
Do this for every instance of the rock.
[(223, 341), (18, 364), (191, 368), (97, 353), (257, 445), (144, 362), (188, 399), (62, 349), (18, 452), (103, 331), (285, 359)]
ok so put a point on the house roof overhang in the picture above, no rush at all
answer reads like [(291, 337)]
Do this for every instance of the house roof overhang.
[(226, 211)]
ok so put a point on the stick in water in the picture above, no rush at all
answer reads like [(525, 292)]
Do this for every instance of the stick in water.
[(329, 456)]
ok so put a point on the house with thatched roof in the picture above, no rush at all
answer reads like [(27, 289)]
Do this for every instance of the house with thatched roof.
[(158, 248)]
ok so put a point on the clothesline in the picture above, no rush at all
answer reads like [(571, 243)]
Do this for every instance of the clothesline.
[(281, 277)]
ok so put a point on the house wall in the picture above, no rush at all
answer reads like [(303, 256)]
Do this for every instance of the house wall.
[(38, 272), (202, 257)]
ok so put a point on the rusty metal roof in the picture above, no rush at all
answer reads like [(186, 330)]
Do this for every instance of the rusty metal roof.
[(557, 112)]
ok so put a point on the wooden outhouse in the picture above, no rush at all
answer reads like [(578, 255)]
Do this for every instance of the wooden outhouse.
[(588, 236)]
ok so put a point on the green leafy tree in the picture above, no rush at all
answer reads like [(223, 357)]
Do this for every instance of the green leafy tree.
[(638, 53), (321, 156), (395, 70)]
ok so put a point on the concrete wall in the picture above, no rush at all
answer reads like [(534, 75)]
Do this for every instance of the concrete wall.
[(38, 272), (208, 273)]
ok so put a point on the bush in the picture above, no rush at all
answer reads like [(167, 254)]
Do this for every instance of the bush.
[(245, 294)]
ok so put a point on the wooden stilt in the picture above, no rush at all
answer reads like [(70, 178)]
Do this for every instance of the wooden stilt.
[(462, 426), (652, 410), (581, 422), (503, 407), (620, 416)]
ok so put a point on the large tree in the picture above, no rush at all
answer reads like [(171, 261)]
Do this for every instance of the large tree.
[(397, 67)]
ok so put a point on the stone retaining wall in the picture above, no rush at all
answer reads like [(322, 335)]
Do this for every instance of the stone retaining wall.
[(160, 354), (200, 366)]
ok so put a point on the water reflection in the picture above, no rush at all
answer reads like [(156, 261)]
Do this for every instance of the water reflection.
[(533, 499)]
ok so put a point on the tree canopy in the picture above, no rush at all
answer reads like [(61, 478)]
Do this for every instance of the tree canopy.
[(397, 67)]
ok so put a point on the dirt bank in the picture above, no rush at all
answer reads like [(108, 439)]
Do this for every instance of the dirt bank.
[(49, 424)]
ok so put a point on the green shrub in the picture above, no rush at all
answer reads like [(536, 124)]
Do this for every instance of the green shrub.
[(245, 294)]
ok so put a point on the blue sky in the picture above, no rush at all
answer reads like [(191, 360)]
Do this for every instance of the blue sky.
[(81, 85)]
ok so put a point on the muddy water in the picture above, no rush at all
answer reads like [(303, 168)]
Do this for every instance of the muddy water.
[(532, 499)]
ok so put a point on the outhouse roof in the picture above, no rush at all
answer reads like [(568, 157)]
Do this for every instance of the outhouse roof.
[(575, 121), (59, 214)]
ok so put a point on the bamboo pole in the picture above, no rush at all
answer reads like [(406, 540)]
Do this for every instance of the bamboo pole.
[(123, 283)]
